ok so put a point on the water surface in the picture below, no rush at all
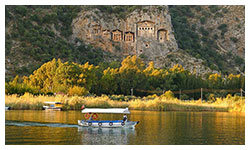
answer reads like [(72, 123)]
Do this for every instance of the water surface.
[(155, 128)]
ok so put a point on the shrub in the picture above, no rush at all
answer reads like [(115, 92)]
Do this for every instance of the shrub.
[(223, 28), (213, 8), (238, 60), (204, 31), (224, 10), (205, 13), (21, 10), (203, 20), (184, 97), (193, 27), (143, 56), (234, 39), (77, 91), (211, 98), (117, 48), (198, 8), (168, 94), (144, 10), (215, 36), (218, 15)]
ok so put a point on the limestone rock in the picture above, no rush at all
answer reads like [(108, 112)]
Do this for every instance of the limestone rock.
[(147, 34)]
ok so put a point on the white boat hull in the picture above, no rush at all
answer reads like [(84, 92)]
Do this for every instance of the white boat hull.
[(52, 108), (108, 124)]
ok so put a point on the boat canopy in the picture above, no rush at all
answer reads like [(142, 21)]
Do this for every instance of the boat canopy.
[(106, 110)]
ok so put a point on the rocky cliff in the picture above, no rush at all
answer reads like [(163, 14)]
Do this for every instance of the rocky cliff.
[(227, 26), (214, 34), (202, 38), (148, 34)]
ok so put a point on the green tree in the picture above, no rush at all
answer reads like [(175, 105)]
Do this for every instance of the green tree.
[(131, 74), (109, 81), (44, 77), (215, 81)]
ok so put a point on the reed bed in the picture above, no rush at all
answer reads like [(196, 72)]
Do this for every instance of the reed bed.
[(173, 104), (158, 103)]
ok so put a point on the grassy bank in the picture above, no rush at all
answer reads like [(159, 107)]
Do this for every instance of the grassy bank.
[(159, 103)]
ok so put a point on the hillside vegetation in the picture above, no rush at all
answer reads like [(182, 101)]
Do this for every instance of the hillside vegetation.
[(129, 77), (200, 29), (37, 34)]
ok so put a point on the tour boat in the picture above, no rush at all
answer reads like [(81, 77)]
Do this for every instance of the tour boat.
[(106, 123), (52, 106)]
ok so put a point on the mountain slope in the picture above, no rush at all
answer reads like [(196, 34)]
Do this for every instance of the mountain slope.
[(215, 34), (211, 38)]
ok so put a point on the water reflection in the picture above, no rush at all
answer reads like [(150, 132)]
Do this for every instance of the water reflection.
[(107, 136), (155, 128)]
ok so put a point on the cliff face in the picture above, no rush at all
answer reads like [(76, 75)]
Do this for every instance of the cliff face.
[(225, 26), (201, 38), (234, 40), (231, 36), (146, 33)]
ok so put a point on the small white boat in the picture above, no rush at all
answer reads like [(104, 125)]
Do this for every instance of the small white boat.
[(7, 108), (52, 106), (106, 123)]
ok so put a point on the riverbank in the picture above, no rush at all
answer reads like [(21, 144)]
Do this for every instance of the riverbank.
[(158, 103)]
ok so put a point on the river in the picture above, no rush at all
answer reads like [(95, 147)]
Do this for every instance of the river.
[(30, 127)]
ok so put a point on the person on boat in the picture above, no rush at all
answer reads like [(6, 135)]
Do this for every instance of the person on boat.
[(125, 117), (91, 118)]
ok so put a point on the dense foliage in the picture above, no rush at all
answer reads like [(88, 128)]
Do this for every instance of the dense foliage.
[(120, 11), (38, 34), (131, 76), (200, 42), (41, 33)]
